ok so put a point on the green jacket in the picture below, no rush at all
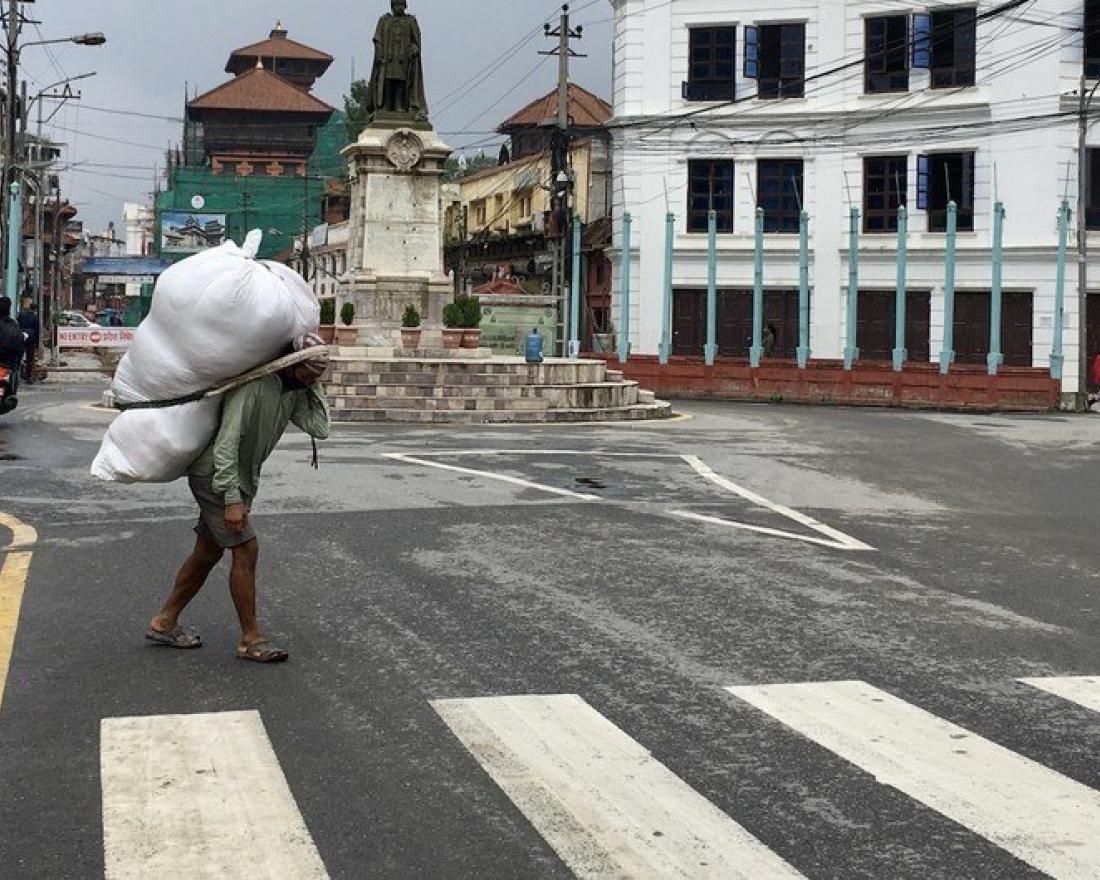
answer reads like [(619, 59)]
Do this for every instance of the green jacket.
[(253, 420)]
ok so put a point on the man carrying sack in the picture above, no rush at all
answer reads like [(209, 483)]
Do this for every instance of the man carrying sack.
[(224, 481)]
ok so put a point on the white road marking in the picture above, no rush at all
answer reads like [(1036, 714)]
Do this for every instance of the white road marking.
[(605, 805), (1038, 815), (1081, 689), (199, 796), (843, 541), (489, 475), (763, 530), (833, 538)]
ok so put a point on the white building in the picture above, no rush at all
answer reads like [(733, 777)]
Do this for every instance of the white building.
[(138, 222), (834, 104)]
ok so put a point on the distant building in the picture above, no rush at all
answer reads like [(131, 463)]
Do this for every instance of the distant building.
[(499, 224), (257, 153)]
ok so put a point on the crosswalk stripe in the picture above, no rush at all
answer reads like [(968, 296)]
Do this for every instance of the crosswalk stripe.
[(1038, 815), (1081, 689), (199, 796), (606, 806)]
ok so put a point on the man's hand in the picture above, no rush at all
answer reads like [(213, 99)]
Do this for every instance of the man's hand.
[(236, 518)]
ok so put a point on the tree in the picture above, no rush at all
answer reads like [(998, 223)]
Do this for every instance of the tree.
[(453, 170), (355, 104)]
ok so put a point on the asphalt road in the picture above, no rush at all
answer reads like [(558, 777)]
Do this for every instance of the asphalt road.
[(396, 584)]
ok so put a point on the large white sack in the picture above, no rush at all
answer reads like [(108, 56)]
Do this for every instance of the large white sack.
[(214, 316)]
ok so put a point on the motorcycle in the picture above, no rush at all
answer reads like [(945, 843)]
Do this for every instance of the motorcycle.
[(9, 387)]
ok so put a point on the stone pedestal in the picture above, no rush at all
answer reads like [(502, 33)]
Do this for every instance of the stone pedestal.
[(395, 248)]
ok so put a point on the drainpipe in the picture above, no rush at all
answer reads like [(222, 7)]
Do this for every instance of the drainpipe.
[(711, 348), (803, 352), (996, 357), (757, 350), (575, 301), (900, 353), (947, 354), (624, 317), (666, 294), (851, 350), (1057, 356)]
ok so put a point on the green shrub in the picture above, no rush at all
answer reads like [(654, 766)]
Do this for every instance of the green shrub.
[(452, 316), (471, 312), (411, 318), (328, 311), (347, 314)]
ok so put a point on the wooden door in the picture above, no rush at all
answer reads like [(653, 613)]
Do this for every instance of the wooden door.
[(1016, 329), (972, 313), (876, 328), (1093, 323), (689, 321)]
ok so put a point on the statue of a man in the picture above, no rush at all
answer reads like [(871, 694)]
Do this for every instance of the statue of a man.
[(397, 78)]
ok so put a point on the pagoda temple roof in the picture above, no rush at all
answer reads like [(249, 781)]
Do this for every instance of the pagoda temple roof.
[(263, 91), (277, 46)]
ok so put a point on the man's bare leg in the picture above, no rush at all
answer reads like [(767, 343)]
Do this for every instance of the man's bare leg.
[(189, 581), (242, 586)]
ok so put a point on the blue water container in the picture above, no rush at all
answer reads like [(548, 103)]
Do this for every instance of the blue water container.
[(534, 347)]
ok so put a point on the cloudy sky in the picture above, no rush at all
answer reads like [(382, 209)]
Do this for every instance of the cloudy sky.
[(480, 55)]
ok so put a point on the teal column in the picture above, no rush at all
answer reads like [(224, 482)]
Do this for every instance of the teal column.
[(665, 349), (803, 351), (575, 294), (851, 350), (947, 353), (624, 271), (711, 348), (901, 355), (756, 352), (1057, 357), (15, 231), (996, 358)]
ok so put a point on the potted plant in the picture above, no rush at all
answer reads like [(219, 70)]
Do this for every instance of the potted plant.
[(410, 327), (470, 307), (452, 325), (328, 321), (347, 334)]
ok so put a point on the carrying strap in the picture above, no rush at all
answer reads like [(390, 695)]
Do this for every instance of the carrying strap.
[(290, 360)]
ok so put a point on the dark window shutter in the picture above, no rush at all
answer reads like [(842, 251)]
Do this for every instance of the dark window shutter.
[(752, 52), (922, 182), (922, 40)]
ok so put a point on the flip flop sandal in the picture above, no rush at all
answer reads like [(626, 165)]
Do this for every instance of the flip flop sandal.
[(261, 652), (176, 637)]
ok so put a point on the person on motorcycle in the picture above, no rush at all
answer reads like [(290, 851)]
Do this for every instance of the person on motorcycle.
[(28, 323), (12, 343)]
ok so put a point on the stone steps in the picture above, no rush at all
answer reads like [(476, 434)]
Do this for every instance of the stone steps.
[(372, 385), (638, 412)]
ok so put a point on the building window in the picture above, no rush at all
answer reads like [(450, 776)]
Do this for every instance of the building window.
[(884, 186), (710, 187), (480, 212), (886, 44), (1092, 38), (953, 41), (775, 56), (1092, 190), (711, 64), (779, 193), (942, 178)]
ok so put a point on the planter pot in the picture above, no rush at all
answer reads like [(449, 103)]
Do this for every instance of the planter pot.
[(410, 337), (604, 343), (471, 338), (347, 335), (452, 337), (327, 332)]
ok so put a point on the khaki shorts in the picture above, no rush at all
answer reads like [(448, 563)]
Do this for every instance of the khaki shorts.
[(211, 524)]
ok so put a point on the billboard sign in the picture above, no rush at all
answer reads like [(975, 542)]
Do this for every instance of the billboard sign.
[(189, 233), (95, 337)]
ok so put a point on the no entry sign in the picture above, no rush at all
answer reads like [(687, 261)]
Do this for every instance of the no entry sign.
[(95, 337)]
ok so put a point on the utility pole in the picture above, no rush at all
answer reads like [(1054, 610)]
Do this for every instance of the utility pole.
[(561, 177), (13, 24)]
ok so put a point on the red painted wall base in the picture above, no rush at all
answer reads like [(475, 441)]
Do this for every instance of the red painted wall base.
[(965, 387)]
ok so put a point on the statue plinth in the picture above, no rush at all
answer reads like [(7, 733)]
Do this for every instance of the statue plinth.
[(395, 247)]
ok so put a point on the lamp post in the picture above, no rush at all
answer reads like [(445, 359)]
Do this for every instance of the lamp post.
[(12, 50)]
